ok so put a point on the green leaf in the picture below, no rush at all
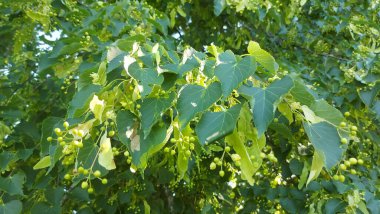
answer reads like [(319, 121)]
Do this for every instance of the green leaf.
[(38, 16), (301, 93), (369, 96), (324, 110), (316, 166), (81, 100), (262, 57), (43, 163), (145, 147), (231, 72), (335, 205), (219, 6), (126, 44), (326, 140), (12, 207), (146, 77), (6, 158), (55, 152), (125, 122), (215, 125), (151, 111), (13, 184), (194, 99), (264, 102)]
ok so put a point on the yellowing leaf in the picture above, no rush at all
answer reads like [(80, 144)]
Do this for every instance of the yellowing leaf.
[(43, 163), (105, 158), (262, 57), (310, 115), (97, 107), (285, 110), (128, 60), (316, 166), (84, 128)]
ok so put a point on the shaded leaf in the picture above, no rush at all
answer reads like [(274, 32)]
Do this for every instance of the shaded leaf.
[(264, 102), (13, 184), (12, 207), (152, 110), (231, 72), (325, 140), (215, 125), (194, 99)]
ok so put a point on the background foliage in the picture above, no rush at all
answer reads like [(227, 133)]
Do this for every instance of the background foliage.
[(191, 106)]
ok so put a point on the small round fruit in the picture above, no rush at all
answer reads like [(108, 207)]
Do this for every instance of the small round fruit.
[(126, 153), (49, 139), (344, 140), (353, 161), (84, 185), (353, 171), (347, 163), (85, 172), (173, 140), (342, 167), (360, 162), (354, 128), (343, 124), (63, 143), (166, 150), (353, 133), (221, 173), (347, 114), (78, 144), (275, 120), (80, 133), (192, 139), (67, 176), (57, 130), (97, 173), (216, 159), (342, 178), (111, 133), (90, 190), (80, 169), (104, 181), (219, 163), (60, 139), (66, 124), (336, 177), (188, 153), (172, 152), (227, 149), (212, 166)]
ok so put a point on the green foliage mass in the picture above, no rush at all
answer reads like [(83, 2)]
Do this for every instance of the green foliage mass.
[(189, 106)]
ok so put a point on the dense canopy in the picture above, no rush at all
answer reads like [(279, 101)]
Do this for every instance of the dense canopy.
[(189, 106)]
